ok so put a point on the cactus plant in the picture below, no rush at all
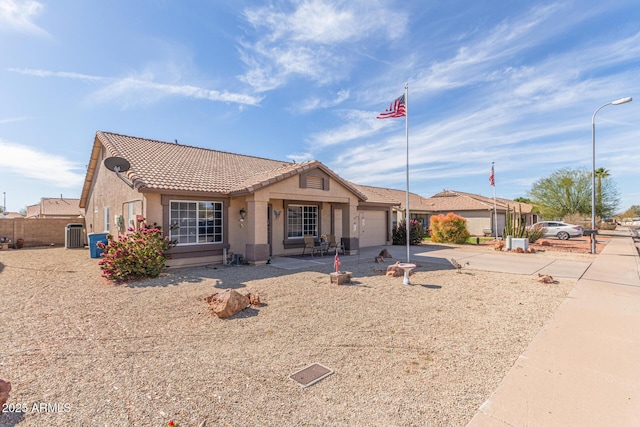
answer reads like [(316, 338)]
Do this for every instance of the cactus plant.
[(514, 225)]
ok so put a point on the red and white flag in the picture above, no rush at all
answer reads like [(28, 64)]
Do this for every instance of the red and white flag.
[(397, 109), (492, 178)]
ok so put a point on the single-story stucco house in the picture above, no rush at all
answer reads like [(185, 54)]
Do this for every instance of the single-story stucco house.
[(224, 202), (419, 207), (479, 210), (55, 207)]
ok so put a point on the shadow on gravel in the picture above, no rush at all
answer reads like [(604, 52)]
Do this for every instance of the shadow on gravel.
[(164, 280), (11, 419)]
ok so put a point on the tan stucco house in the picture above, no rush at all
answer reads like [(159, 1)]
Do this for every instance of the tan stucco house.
[(225, 202), (419, 207), (478, 210), (55, 207)]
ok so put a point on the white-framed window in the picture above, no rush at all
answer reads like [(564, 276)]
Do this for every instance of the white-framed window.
[(131, 214), (106, 218), (302, 220), (194, 222)]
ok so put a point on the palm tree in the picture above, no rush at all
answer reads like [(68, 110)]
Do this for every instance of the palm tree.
[(601, 173)]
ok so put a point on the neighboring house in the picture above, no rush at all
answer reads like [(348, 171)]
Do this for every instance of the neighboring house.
[(418, 206), (11, 215), (55, 207), (223, 202), (478, 210)]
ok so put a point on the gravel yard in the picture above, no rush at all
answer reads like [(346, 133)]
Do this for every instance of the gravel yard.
[(93, 353)]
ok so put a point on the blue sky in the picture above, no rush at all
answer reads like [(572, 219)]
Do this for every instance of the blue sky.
[(515, 83)]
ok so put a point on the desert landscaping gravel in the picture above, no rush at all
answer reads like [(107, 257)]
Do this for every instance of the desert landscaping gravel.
[(81, 351)]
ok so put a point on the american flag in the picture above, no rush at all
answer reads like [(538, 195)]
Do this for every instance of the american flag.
[(395, 110), (492, 178)]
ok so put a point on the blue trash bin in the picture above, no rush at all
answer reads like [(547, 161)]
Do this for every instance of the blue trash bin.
[(94, 239)]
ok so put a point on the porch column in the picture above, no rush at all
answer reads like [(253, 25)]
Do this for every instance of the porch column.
[(351, 228), (257, 246)]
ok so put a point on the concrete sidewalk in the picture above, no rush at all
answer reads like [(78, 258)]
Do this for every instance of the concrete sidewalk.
[(583, 367)]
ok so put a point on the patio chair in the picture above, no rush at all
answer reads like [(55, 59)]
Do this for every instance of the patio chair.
[(333, 245), (310, 244)]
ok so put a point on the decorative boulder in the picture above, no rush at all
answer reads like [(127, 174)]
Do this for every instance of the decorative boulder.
[(394, 271), (5, 388), (385, 254), (545, 278), (228, 303), (254, 300), (499, 245)]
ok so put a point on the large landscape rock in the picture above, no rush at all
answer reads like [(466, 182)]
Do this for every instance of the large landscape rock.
[(228, 303), (394, 271), (5, 388)]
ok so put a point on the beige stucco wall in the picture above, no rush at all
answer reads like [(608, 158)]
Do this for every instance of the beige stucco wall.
[(290, 190), (38, 231), (108, 191), (477, 221), (153, 208)]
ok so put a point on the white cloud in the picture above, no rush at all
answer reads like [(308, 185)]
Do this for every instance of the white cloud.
[(308, 38), (61, 74), (12, 119), (135, 91), (18, 16), (50, 168), (315, 103), (143, 90), (360, 124)]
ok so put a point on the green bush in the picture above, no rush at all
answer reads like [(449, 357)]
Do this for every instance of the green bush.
[(138, 254), (449, 228), (416, 235), (535, 233)]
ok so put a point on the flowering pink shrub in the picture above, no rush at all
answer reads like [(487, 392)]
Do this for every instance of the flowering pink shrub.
[(139, 253)]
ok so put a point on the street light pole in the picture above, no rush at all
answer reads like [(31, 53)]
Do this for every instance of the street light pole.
[(593, 167)]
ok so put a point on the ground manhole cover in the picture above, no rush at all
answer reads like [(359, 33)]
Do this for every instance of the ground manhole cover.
[(311, 374)]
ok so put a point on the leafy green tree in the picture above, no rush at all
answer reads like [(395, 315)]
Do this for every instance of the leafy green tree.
[(568, 191), (523, 200), (632, 212), (601, 173)]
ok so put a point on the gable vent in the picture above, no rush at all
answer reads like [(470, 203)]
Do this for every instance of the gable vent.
[(315, 182)]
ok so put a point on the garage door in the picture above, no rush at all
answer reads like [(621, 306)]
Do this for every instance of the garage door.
[(374, 231)]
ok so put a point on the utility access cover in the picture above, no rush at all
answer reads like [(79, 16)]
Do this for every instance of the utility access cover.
[(311, 374)]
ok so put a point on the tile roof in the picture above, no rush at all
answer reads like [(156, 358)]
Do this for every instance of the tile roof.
[(170, 166), (55, 206), (397, 197), (449, 200), (158, 165)]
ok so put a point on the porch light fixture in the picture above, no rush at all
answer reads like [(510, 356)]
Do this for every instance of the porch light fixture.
[(593, 167), (243, 213)]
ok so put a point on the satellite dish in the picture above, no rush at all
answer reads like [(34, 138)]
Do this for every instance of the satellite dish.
[(117, 164)]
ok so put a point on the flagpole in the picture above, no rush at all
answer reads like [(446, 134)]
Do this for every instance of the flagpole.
[(406, 126), (495, 206)]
